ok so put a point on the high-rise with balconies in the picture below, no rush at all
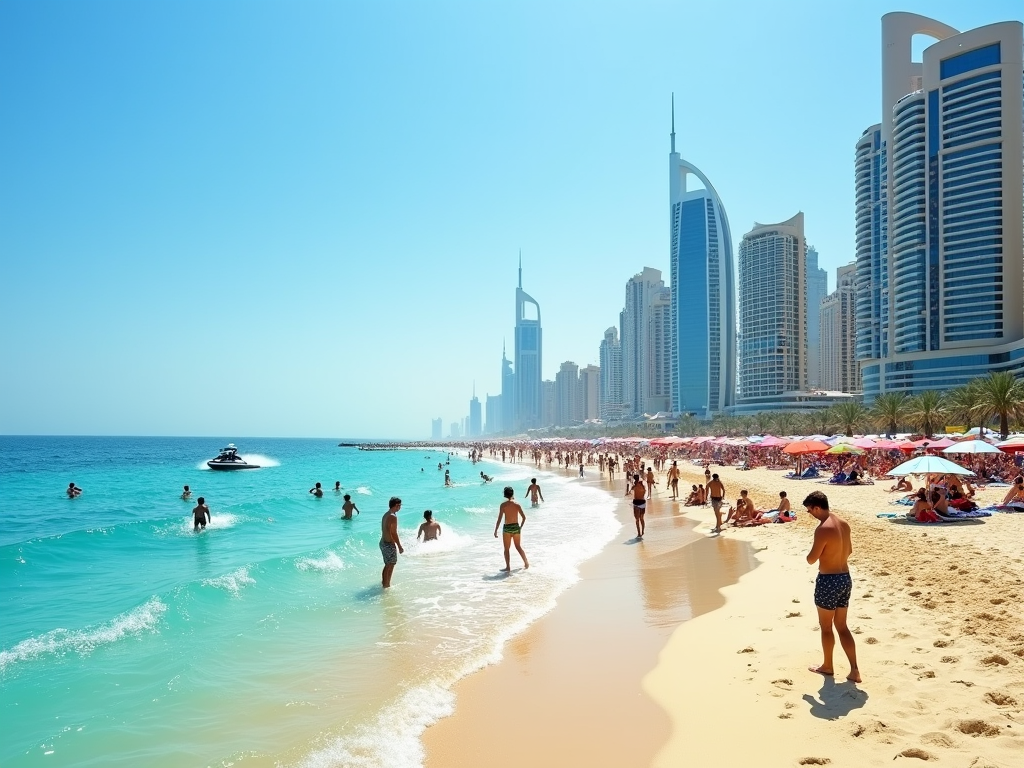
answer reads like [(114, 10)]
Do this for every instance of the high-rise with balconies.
[(940, 193), (773, 310)]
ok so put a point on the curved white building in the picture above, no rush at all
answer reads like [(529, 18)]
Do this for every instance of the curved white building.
[(703, 300), (940, 193)]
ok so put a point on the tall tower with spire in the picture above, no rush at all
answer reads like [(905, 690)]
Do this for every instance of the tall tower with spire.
[(528, 346), (703, 291)]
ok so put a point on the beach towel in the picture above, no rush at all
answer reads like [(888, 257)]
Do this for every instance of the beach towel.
[(1008, 509)]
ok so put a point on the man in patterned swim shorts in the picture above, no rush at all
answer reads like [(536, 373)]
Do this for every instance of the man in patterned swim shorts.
[(390, 544), (831, 550)]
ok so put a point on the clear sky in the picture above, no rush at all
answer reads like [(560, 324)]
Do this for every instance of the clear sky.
[(303, 218)]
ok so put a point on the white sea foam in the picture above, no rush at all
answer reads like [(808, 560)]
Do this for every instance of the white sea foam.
[(392, 739), (449, 541), (233, 582), (326, 563), (364, 490), (58, 642)]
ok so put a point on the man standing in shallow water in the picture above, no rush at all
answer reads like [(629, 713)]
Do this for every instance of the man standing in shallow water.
[(831, 550), (390, 545), (511, 512)]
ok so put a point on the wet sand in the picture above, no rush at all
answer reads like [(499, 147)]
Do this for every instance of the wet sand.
[(568, 690)]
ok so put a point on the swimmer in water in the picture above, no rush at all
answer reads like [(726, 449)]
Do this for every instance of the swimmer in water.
[(337, 486), (186, 494), (430, 529), (485, 478), (200, 515), (447, 479), (74, 491), (347, 508), (534, 492), (317, 491)]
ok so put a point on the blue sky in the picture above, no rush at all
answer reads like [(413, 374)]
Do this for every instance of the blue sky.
[(303, 218)]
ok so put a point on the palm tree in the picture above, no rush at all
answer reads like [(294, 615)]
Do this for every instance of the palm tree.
[(962, 405), (785, 422), (687, 425), (890, 410), (1001, 395), (763, 422), (819, 422), (926, 411), (849, 415)]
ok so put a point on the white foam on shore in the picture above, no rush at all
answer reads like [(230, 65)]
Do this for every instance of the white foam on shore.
[(364, 490), (472, 610), (59, 642), (329, 562), (392, 739), (233, 582)]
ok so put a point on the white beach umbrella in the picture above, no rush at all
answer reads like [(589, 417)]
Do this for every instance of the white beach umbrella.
[(972, 446), (929, 465)]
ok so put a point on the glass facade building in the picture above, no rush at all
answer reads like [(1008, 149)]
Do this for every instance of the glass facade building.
[(953, 267), (527, 389), (703, 294), (773, 310)]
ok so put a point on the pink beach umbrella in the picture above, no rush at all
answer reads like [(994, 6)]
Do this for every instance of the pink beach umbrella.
[(770, 441), (864, 442)]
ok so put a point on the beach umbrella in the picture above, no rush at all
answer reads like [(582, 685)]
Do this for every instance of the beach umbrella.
[(770, 441), (838, 440), (845, 448), (972, 446), (929, 465), (800, 447), (864, 442), (1013, 445)]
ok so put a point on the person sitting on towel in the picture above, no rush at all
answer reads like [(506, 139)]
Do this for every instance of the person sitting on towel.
[(903, 484), (922, 510), (939, 504), (1015, 496)]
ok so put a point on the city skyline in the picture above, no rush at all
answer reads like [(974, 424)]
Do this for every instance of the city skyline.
[(167, 180)]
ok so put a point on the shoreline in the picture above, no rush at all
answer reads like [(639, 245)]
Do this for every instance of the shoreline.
[(568, 690), (932, 612)]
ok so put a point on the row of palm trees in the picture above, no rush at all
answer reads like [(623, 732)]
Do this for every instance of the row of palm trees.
[(980, 403)]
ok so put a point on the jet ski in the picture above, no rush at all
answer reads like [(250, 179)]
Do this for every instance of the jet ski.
[(229, 459)]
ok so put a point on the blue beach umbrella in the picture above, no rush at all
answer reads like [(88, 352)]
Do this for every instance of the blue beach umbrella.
[(929, 465), (972, 446)]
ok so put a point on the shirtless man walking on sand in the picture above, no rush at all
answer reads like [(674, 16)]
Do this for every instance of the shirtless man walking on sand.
[(639, 505), (390, 545), (673, 480), (511, 512), (716, 492), (831, 550), (534, 492)]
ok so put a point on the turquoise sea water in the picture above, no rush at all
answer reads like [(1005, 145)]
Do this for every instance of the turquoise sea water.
[(127, 639)]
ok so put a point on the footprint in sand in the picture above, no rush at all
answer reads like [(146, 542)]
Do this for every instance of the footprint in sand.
[(783, 682), (917, 752), (942, 643), (977, 728), (793, 615), (814, 761), (1000, 699), (949, 659), (990, 661), (871, 641)]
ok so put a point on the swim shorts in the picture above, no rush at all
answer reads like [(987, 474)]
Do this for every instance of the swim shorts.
[(832, 590), (716, 503), (511, 529), (390, 552)]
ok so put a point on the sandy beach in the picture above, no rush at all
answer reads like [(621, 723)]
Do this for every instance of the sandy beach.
[(659, 656)]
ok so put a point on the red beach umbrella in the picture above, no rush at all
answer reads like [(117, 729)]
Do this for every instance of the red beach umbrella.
[(801, 447)]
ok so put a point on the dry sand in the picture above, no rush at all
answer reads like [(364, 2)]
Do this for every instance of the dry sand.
[(936, 612)]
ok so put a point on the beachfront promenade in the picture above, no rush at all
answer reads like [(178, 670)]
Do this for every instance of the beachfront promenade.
[(658, 656)]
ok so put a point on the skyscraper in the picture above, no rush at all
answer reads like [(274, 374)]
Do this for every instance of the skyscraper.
[(508, 395), (640, 291), (658, 343), (817, 289), (840, 371), (528, 360), (773, 310), (567, 391), (492, 415), (435, 428), (611, 375), (549, 399), (590, 392), (703, 293), (952, 134), (475, 426)]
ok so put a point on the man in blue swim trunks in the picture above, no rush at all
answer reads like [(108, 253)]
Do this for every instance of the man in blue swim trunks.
[(831, 550), (390, 545)]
